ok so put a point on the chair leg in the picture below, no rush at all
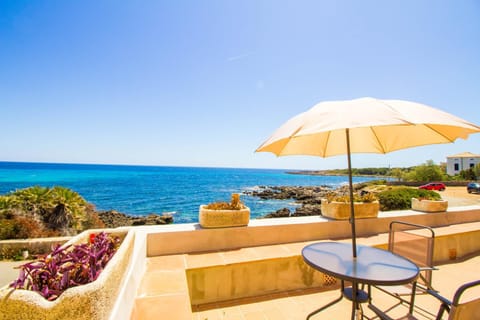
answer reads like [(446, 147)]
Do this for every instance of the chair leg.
[(444, 307), (412, 298)]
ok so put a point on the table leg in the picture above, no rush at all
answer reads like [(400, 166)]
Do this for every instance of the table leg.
[(354, 294), (357, 296), (326, 306), (354, 300), (330, 303)]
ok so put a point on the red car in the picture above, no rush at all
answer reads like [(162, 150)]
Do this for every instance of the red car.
[(438, 186)]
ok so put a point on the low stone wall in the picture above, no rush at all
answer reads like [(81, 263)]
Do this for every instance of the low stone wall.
[(91, 301), (175, 239), (228, 281), (10, 248)]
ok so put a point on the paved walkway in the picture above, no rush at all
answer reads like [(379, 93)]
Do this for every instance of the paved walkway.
[(8, 272), (459, 197)]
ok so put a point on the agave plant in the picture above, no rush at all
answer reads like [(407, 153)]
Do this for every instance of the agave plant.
[(366, 197), (34, 199), (58, 210), (70, 204), (7, 204), (235, 204), (67, 267)]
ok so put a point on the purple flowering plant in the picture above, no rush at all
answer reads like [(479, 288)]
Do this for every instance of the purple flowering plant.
[(67, 267)]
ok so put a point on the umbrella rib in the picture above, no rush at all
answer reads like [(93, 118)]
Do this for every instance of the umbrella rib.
[(437, 132), (378, 140), (326, 143)]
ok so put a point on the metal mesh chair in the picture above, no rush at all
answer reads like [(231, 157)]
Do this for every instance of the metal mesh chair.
[(416, 243), (460, 308)]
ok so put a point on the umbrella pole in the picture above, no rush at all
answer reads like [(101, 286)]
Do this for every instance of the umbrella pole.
[(352, 206)]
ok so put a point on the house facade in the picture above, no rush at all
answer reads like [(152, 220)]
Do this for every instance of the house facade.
[(461, 161)]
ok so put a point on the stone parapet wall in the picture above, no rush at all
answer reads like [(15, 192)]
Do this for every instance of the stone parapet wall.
[(34, 246), (175, 239)]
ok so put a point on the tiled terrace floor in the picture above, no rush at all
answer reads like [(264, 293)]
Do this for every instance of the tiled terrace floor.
[(289, 306)]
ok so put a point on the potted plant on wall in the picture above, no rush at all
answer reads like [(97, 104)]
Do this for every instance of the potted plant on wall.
[(338, 206), (224, 214), (429, 201)]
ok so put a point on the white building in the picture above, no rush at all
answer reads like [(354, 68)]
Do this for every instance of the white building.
[(461, 161)]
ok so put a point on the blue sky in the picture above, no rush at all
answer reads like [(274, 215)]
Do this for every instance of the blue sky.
[(204, 83)]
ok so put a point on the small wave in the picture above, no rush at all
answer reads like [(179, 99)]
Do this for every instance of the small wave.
[(254, 188)]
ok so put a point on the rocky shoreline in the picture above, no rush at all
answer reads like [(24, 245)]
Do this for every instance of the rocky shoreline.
[(114, 219), (308, 197)]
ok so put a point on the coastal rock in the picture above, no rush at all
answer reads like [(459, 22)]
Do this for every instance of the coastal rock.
[(309, 197), (114, 219), (308, 210), (282, 213), (301, 194)]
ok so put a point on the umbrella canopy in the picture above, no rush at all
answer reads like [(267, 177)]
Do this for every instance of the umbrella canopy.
[(365, 125)]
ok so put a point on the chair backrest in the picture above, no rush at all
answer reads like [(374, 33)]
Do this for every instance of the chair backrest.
[(469, 309), (416, 243)]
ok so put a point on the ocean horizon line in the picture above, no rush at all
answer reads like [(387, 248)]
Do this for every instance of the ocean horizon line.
[(150, 165)]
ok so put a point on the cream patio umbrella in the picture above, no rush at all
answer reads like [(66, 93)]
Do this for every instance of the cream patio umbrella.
[(364, 125)]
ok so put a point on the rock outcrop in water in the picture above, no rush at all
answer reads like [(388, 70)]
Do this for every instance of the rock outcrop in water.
[(308, 197), (114, 219)]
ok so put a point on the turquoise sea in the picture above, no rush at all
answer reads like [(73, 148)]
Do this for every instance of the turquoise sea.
[(141, 190)]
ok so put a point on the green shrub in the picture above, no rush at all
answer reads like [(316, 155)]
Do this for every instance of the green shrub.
[(7, 229), (401, 198), (44, 212)]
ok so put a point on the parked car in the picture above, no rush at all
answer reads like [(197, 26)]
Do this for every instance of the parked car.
[(473, 187), (437, 186)]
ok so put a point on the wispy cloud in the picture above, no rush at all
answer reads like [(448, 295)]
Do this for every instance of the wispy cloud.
[(239, 57)]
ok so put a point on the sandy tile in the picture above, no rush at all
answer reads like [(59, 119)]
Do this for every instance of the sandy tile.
[(163, 282), (251, 307), (172, 307), (254, 315), (274, 314), (274, 251), (233, 317), (203, 260), (231, 311), (210, 315), (239, 255), (166, 262), (296, 248)]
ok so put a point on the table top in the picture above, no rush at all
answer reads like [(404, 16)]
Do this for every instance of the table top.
[(372, 266)]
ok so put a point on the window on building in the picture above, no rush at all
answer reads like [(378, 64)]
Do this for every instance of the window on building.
[(472, 165), (456, 167)]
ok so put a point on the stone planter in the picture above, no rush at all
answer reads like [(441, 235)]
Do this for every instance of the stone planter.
[(223, 218), (94, 300), (429, 205), (341, 210)]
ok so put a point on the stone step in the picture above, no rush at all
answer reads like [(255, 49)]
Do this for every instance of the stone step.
[(163, 290)]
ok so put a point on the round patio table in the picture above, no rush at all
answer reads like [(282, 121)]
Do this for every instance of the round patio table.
[(372, 266)]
